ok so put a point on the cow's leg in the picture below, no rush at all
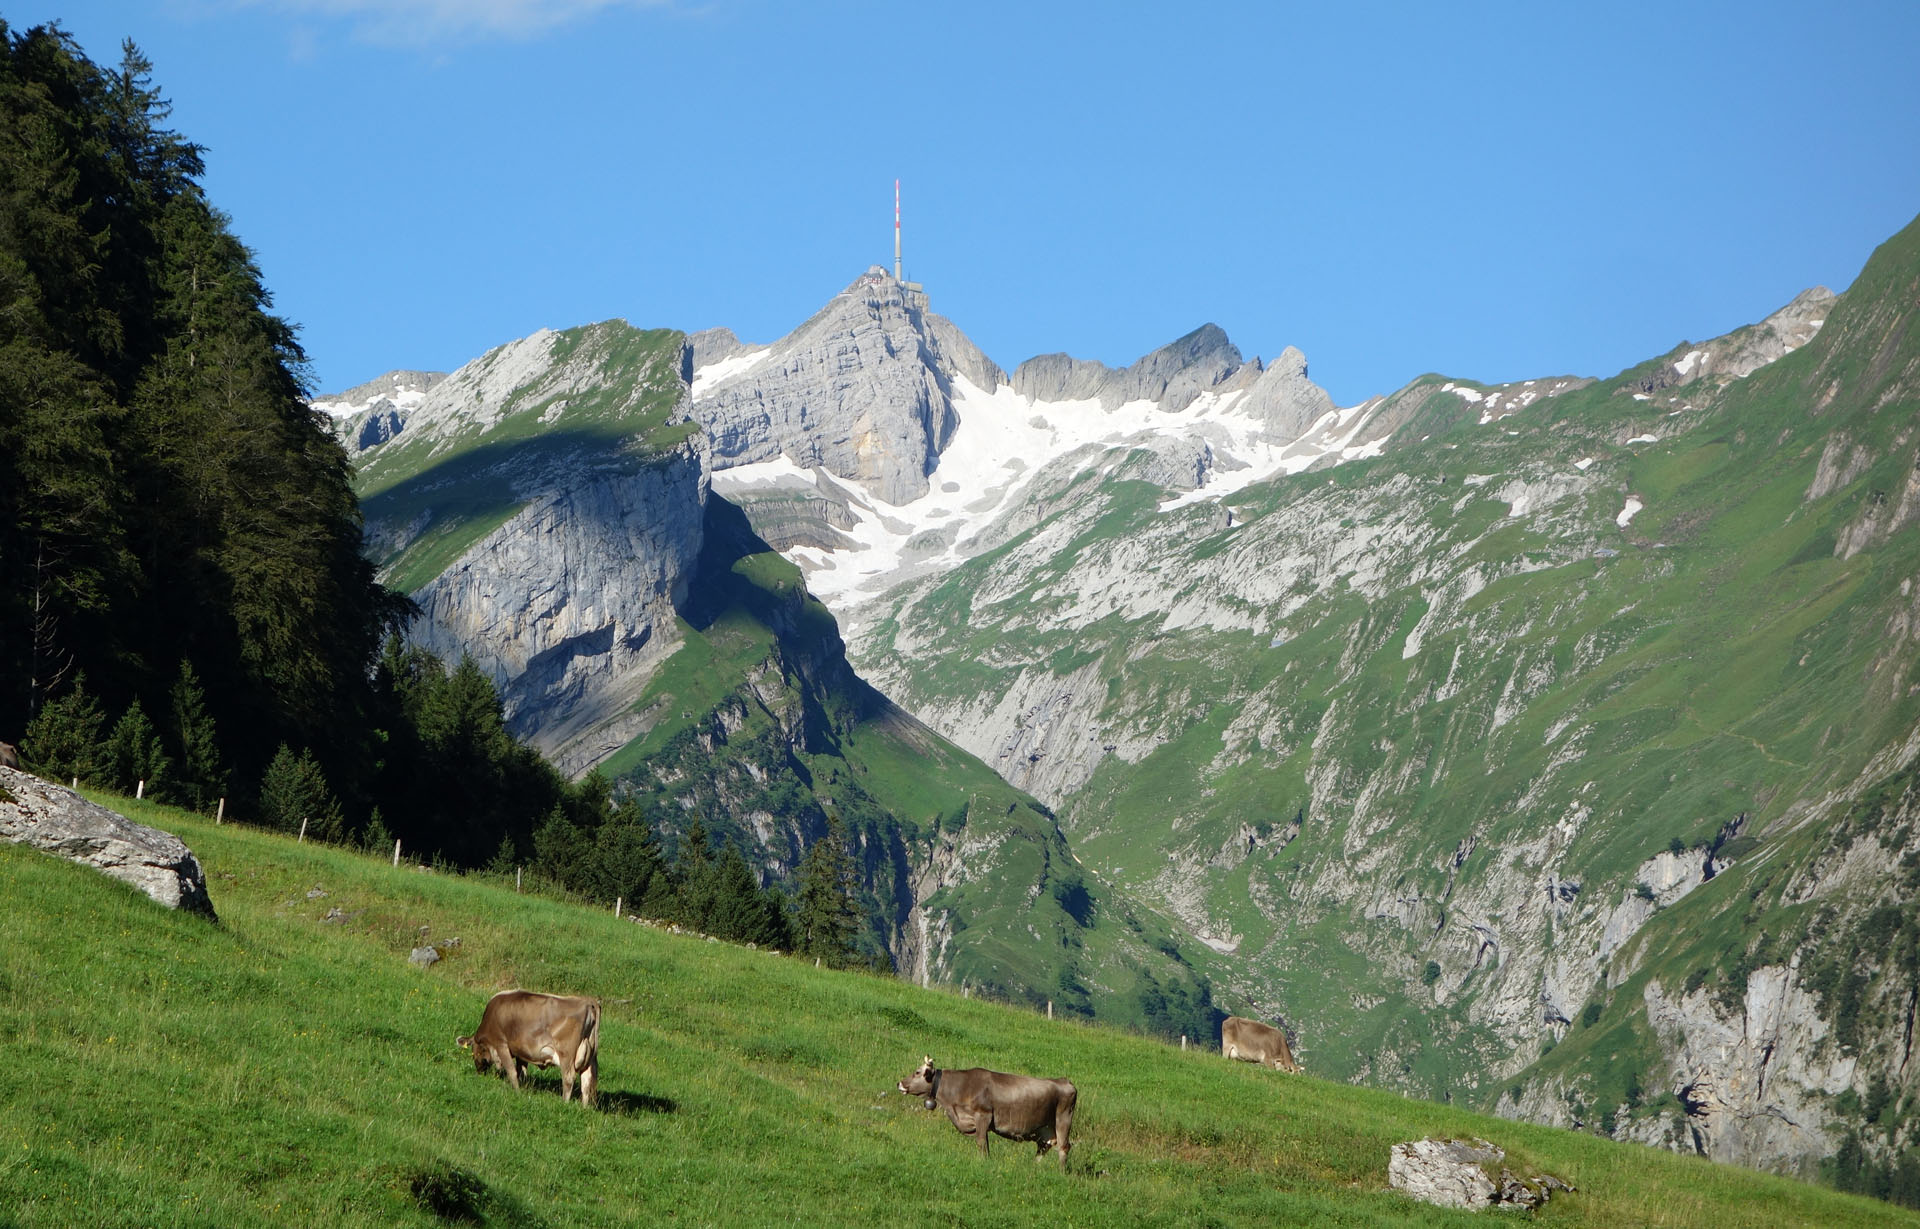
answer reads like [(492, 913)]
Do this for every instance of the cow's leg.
[(589, 1080), (1062, 1127), (983, 1127)]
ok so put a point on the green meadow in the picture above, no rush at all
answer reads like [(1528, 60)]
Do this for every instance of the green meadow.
[(278, 1067)]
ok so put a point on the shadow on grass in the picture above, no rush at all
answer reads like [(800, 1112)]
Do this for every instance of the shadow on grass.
[(619, 1101)]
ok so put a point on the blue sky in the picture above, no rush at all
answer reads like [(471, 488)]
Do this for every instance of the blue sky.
[(1494, 191)]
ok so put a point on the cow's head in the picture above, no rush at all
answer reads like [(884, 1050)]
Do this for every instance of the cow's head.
[(481, 1059), (922, 1082)]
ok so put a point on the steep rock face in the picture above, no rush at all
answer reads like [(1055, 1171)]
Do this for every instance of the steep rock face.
[(863, 390), (544, 509), (570, 604)]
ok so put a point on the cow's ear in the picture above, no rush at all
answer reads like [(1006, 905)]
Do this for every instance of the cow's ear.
[(465, 1043)]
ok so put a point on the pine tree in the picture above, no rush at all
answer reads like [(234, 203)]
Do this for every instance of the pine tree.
[(560, 852), (64, 739), (736, 913), (374, 838), (505, 858), (295, 791), (827, 919), (135, 755), (198, 776), (694, 871), (626, 861)]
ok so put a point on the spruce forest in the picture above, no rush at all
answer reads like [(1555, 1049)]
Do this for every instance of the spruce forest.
[(185, 606)]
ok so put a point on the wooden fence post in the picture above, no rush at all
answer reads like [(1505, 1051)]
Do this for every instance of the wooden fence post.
[(616, 906), (396, 851), (303, 831), (516, 879), (1183, 1041), (1049, 1009), (140, 790), (222, 812)]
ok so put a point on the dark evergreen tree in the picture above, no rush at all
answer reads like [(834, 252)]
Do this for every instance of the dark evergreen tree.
[(199, 780), (738, 911), (295, 790), (561, 852), (693, 872), (505, 858), (134, 755), (626, 861), (64, 739), (374, 837), (828, 918)]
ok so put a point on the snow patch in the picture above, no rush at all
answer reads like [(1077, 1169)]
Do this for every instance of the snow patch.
[(1583, 463), (1627, 513), (707, 377)]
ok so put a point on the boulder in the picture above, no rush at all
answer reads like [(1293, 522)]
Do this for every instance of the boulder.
[(53, 818), (1454, 1173)]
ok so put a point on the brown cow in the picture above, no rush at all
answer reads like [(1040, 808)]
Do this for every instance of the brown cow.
[(1251, 1041), (523, 1026), (9, 758), (983, 1103)]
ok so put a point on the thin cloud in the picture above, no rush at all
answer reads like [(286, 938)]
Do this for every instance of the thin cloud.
[(405, 23)]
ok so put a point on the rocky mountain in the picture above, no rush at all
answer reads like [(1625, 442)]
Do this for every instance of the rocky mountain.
[(370, 414), (547, 506), (1503, 755), (1544, 745)]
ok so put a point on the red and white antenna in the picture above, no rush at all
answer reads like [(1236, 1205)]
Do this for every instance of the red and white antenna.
[(896, 230)]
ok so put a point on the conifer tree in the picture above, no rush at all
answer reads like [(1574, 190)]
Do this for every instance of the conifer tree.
[(626, 860), (198, 777), (294, 790), (134, 754), (694, 871), (560, 851), (64, 739), (374, 837), (505, 858), (736, 911), (827, 919)]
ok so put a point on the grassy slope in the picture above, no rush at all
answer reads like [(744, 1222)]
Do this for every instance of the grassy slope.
[(277, 1069)]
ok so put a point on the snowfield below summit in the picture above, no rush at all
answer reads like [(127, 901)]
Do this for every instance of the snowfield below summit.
[(1002, 443)]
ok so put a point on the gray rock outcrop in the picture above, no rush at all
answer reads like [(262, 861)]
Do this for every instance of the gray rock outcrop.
[(55, 819), (1285, 399), (713, 345), (863, 390), (1453, 1173), (1173, 375)]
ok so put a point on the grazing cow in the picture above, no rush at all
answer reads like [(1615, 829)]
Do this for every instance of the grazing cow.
[(548, 1030), (9, 758), (983, 1103), (1251, 1041)]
